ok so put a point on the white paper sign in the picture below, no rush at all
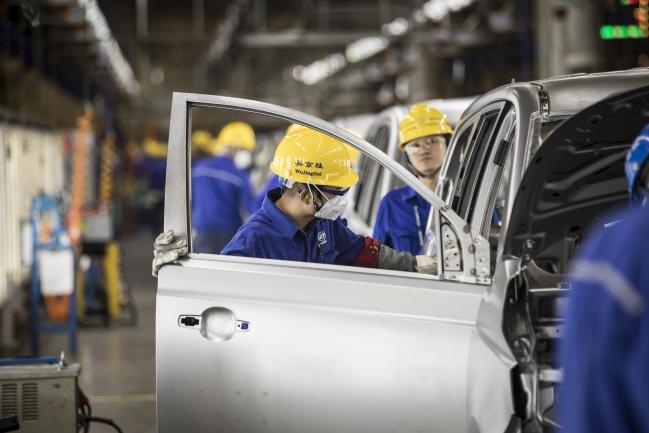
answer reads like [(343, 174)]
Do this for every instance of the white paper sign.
[(56, 269)]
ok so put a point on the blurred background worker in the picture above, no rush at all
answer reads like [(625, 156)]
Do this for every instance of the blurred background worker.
[(221, 188), (203, 145), (402, 216), (153, 169), (605, 354)]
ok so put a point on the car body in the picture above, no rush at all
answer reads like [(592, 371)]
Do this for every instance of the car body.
[(562, 144), (254, 345)]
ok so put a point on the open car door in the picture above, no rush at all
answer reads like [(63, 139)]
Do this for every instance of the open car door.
[(251, 345)]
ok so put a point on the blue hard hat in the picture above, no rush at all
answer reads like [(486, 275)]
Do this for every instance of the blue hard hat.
[(636, 158)]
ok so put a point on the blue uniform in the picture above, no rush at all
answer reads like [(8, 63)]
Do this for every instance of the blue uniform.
[(272, 183), (156, 172), (220, 194), (401, 220), (605, 353), (270, 234)]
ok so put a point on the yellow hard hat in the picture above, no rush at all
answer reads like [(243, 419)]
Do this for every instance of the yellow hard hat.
[(237, 134), (215, 146), (154, 148), (307, 156), (201, 140), (422, 121)]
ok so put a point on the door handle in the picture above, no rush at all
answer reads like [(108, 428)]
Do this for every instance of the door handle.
[(216, 323)]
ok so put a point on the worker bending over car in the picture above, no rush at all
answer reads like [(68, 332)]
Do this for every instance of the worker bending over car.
[(301, 220)]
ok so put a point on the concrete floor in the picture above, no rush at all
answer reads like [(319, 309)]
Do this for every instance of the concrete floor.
[(118, 363)]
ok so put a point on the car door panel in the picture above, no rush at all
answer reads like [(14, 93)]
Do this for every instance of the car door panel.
[(326, 350), (247, 345)]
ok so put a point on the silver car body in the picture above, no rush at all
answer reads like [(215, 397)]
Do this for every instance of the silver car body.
[(253, 345)]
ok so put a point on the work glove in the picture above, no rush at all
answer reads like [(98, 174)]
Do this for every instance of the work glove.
[(426, 264), (404, 261), (167, 248)]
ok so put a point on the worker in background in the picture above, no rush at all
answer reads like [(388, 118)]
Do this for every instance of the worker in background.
[(203, 145), (605, 352), (424, 134), (221, 189), (301, 220), (153, 168)]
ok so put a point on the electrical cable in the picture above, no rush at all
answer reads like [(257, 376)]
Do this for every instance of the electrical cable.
[(85, 415), (106, 421)]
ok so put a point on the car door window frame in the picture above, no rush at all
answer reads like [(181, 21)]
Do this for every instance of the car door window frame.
[(492, 172), (370, 174), (473, 162), (473, 249), (453, 161)]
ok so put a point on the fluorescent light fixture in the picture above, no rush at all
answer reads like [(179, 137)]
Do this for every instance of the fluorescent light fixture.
[(436, 10), (109, 48), (320, 69), (397, 27), (365, 48)]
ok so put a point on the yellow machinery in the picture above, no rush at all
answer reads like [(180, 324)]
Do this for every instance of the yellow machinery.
[(101, 287)]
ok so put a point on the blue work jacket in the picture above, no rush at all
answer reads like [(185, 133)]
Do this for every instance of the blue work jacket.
[(270, 234), (605, 352), (272, 183), (401, 220), (155, 171), (221, 193)]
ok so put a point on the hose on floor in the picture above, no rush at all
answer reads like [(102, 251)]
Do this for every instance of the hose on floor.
[(106, 421), (85, 416)]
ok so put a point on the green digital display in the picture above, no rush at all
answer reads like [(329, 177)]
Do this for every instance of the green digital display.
[(628, 18), (621, 32)]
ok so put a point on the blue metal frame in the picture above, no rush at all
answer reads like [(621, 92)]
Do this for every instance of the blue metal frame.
[(31, 360)]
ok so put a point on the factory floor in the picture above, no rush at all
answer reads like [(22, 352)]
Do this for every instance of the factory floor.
[(118, 363)]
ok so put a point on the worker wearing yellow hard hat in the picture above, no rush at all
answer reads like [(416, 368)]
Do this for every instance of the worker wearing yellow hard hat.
[(221, 188), (152, 169), (300, 221), (154, 149), (201, 144), (274, 181), (424, 134)]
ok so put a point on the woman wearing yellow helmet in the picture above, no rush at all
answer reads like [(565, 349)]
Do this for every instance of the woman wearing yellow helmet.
[(400, 221), (301, 220)]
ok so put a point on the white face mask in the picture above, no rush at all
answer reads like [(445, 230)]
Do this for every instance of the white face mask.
[(242, 160), (333, 208)]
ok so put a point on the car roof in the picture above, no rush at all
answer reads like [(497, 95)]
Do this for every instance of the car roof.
[(570, 93)]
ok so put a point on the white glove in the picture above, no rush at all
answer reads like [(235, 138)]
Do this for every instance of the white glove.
[(166, 249), (426, 264)]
